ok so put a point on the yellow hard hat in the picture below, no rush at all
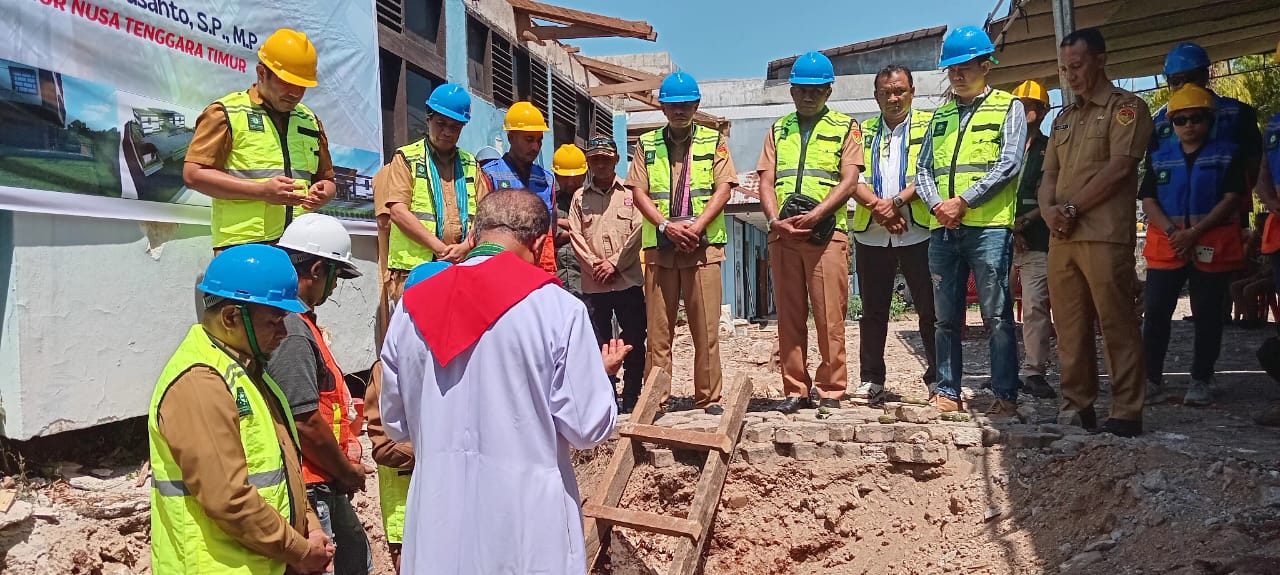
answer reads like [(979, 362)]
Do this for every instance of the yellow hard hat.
[(1190, 96), (523, 117), (291, 56), (1032, 90), (569, 161)]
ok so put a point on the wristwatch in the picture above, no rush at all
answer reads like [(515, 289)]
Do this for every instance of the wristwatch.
[(662, 227), (897, 202), (1071, 210), (771, 222)]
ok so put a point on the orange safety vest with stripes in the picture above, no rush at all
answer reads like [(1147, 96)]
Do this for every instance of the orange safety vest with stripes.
[(338, 410)]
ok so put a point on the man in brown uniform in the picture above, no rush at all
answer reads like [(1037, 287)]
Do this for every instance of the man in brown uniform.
[(604, 230), (1087, 199)]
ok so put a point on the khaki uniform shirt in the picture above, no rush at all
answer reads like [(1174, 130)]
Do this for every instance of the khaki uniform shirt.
[(638, 180), (385, 451), (211, 142), (398, 184), (1108, 122), (605, 225), (199, 420)]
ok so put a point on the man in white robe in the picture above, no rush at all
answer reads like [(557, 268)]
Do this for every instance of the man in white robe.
[(492, 371)]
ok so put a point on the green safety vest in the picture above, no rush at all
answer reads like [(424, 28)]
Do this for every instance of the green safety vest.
[(404, 252), (820, 156), (961, 159), (702, 180), (183, 539), (393, 498), (920, 214), (258, 153)]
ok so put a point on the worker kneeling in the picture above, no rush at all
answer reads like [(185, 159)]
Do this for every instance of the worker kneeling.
[(1194, 236), (226, 492)]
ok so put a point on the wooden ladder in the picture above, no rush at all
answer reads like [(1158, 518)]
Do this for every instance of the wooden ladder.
[(601, 509)]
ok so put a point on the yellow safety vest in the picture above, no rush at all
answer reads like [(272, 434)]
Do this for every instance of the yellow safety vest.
[(405, 253), (920, 214), (184, 540), (820, 156), (961, 159), (393, 498), (702, 180), (258, 153)]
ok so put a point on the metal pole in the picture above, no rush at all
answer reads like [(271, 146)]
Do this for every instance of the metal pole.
[(1064, 22)]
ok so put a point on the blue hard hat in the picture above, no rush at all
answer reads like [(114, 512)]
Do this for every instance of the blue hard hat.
[(679, 87), (423, 271), (451, 100), (964, 44), (254, 273), (1185, 57), (812, 69)]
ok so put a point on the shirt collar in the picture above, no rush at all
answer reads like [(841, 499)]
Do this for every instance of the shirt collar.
[(977, 100), (617, 185), (1099, 95)]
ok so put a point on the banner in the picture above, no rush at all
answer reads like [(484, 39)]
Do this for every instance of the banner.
[(99, 100)]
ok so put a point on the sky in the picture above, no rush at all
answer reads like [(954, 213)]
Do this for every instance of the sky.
[(718, 39), (91, 103)]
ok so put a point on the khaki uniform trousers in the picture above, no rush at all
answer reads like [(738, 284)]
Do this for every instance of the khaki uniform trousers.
[(804, 274), (388, 296), (1088, 282), (699, 286)]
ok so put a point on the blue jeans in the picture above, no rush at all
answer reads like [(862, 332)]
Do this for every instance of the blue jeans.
[(988, 253), (338, 518)]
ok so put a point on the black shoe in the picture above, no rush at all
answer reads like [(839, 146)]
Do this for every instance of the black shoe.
[(713, 409), (627, 404), (792, 404), (1123, 427), (1036, 386), (829, 403), (1089, 420)]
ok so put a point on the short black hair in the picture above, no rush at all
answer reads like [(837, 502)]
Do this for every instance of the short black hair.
[(1092, 37), (892, 69)]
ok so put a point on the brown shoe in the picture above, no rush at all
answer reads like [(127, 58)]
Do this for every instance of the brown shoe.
[(945, 404), (1002, 408)]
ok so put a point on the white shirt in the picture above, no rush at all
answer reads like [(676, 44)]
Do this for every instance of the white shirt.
[(493, 490), (890, 157)]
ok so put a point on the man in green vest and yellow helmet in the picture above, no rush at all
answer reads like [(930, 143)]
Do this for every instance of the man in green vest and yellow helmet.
[(968, 175), (227, 491), (808, 170), (680, 177), (891, 227), (261, 154), (429, 190)]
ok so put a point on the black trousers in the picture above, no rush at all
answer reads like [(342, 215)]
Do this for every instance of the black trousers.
[(628, 306), (1208, 290), (877, 269)]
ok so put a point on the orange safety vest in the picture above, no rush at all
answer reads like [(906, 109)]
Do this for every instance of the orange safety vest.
[(1187, 195), (1271, 235), (338, 410)]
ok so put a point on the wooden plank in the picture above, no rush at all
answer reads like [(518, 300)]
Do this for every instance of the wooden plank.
[(707, 496), (8, 495), (569, 32), (625, 87), (609, 492), (614, 69), (623, 28), (644, 521), (682, 438)]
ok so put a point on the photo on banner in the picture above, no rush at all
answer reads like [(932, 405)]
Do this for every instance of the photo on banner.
[(99, 100)]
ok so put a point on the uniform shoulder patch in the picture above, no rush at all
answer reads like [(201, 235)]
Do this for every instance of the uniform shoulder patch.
[(1163, 176), (1126, 115), (255, 122), (419, 170), (243, 408), (650, 156), (722, 150)]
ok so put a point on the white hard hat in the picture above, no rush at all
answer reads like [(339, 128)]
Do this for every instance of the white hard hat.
[(320, 235)]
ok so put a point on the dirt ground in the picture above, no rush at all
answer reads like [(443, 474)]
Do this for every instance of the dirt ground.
[(1198, 494)]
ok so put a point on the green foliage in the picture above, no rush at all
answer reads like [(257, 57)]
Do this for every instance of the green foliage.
[(1255, 80), (855, 306), (897, 307)]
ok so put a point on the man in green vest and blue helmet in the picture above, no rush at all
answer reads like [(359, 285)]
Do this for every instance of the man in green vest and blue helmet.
[(227, 495), (808, 170), (680, 177), (968, 175), (261, 154)]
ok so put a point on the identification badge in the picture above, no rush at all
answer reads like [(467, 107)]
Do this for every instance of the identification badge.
[(242, 403), (1204, 254), (420, 171), (255, 123)]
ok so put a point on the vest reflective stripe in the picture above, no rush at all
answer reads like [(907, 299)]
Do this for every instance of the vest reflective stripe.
[(920, 214), (1226, 118), (1187, 197), (702, 181), (337, 409), (259, 152), (403, 252), (822, 155), (1271, 146), (961, 159), (183, 539), (393, 499)]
